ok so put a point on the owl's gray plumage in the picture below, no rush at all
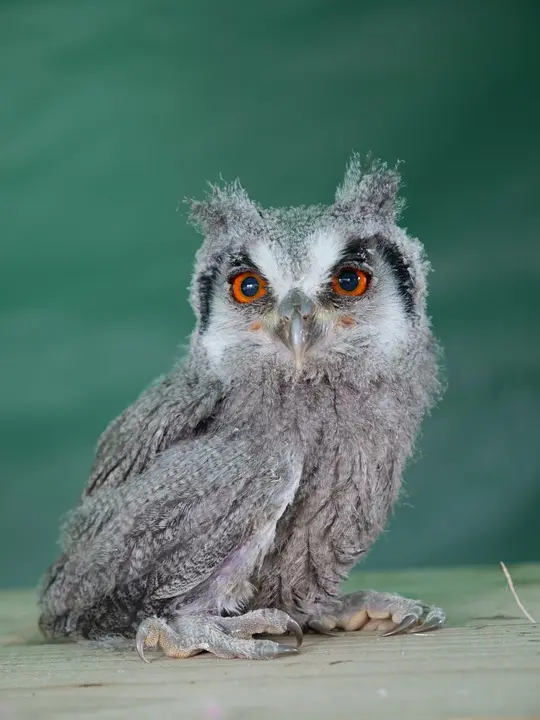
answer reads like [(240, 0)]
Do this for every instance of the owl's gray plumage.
[(244, 479)]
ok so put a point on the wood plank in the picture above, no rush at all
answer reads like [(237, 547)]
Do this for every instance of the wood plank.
[(486, 664)]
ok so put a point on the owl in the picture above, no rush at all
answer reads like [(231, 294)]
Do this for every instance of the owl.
[(232, 498)]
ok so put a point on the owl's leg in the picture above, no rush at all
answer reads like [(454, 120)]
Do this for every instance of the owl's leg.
[(231, 637), (371, 610)]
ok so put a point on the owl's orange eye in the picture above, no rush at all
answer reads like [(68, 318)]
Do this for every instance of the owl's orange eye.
[(248, 286), (350, 281)]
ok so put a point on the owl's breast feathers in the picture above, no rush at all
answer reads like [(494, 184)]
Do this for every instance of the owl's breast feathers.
[(353, 446)]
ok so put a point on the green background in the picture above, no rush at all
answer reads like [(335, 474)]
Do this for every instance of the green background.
[(112, 112)]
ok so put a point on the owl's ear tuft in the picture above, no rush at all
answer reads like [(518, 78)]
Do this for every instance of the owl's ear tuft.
[(223, 207), (370, 189)]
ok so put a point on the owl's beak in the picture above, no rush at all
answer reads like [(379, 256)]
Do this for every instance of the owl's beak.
[(295, 313)]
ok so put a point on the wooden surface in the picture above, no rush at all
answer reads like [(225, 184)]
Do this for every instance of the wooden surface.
[(485, 664)]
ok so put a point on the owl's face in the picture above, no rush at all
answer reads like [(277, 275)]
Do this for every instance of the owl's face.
[(304, 287)]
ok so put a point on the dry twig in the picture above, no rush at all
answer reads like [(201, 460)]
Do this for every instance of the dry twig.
[(514, 593)]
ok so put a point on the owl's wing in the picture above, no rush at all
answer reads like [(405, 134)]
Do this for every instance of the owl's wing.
[(204, 508), (170, 409)]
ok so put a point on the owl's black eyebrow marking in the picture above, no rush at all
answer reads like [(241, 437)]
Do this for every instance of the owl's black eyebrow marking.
[(242, 260), (357, 250), (392, 256), (206, 284)]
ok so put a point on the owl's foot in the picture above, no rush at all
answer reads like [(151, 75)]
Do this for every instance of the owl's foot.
[(371, 610), (225, 637)]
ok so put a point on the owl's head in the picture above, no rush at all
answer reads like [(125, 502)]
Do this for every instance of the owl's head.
[(305, 287)]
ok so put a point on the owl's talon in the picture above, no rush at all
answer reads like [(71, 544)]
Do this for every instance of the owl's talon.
[(433, 621), (402, 627), (294, 627), (286, 650), (426, 627), (148, 634), (140, 649)]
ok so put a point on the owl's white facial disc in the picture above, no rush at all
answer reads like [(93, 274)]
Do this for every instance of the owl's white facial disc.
[(322, 296), (308, 273)]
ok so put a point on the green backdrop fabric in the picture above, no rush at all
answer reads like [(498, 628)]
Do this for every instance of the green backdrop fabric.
[(112, 112)]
